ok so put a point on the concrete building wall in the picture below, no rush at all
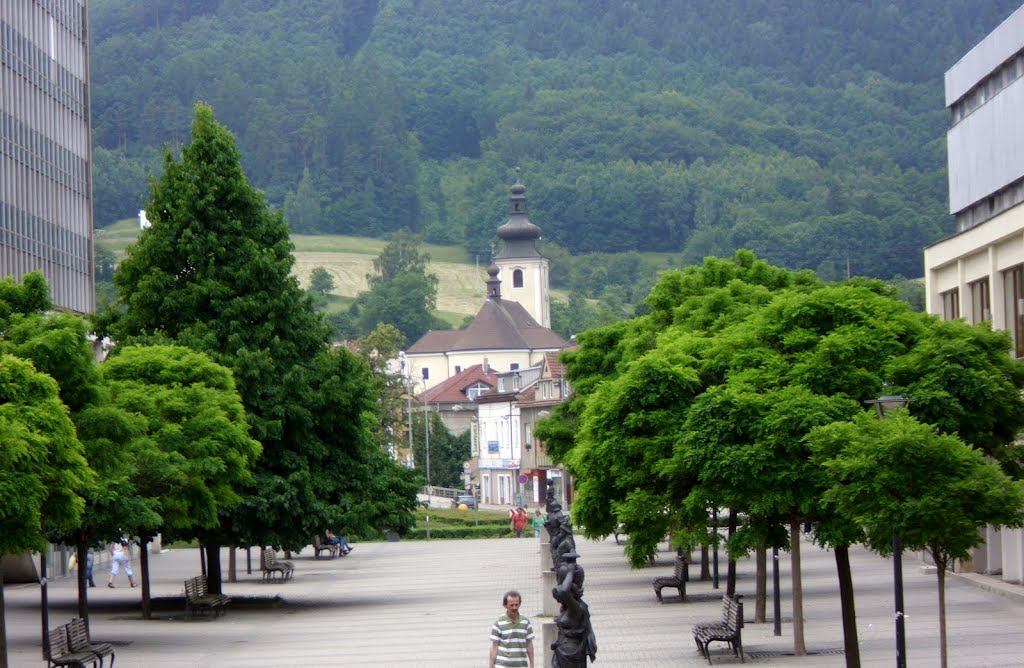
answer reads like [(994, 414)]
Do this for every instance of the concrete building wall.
[(45, 148), (978, 273), (441, 366)]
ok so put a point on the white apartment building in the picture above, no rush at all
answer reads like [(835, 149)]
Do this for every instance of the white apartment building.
[(978, 272)]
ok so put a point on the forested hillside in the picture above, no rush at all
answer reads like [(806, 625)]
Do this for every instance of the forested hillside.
[(811, 131)]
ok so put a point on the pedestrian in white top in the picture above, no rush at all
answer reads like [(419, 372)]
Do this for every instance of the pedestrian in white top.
[(120, 558)]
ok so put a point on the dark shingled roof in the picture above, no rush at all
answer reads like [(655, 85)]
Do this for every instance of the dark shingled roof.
[(499, 325)]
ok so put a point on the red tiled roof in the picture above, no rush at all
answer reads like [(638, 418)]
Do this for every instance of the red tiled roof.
[(454, 389)]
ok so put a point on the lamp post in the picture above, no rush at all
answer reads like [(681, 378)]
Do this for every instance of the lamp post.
[(882, 405)]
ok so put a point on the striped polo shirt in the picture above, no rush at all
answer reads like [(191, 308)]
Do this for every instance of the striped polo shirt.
[(511, 637)]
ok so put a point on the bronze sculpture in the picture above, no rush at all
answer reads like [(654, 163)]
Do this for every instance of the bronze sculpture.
[(575, 641)]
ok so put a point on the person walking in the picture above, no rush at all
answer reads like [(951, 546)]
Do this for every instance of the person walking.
[(120, 558), (537, 522), (511, 636), (519, 521), (90, 559)]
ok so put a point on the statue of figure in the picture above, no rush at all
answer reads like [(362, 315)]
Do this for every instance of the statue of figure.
[(549, 498), (575, 641), (563, 543)]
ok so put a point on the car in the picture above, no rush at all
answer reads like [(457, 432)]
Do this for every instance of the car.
[(464, 499)]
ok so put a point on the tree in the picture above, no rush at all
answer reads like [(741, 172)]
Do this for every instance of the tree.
[(321, 281), (401, 293), (43, 472), (447, 452), (213, 273), (900, 477)]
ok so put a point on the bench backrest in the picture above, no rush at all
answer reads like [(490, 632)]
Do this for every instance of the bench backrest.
[(732, 612), (196, 587), (680, 565), (269, 557), (58, 638), (317, 543), (78, 635)]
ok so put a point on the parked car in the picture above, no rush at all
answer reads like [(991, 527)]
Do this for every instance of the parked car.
[(469, 501)]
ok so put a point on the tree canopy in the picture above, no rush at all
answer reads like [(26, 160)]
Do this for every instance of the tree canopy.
[(213, 274)]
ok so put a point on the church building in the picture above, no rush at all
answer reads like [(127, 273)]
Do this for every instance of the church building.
[(512, 329)]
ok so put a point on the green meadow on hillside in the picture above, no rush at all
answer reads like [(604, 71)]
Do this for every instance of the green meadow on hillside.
[(349, 259)]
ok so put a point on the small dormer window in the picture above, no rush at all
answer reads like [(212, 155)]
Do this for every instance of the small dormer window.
[(476, 389), (517, 278)]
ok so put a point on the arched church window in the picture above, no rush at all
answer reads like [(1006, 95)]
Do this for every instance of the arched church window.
[(517, 278)]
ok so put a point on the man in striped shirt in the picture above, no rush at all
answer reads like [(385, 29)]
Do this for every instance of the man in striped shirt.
[(512, 636)]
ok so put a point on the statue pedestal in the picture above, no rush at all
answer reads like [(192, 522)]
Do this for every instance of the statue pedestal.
[(548, 635), (548, 582), (545, 556)]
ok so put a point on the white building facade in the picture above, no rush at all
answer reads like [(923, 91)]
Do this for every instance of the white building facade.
[(978, 272)]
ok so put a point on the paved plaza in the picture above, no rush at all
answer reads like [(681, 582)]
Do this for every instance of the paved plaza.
[(416, 603)]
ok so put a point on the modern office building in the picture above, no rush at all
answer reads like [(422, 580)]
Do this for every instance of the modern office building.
[(978, 272), (45, 150)]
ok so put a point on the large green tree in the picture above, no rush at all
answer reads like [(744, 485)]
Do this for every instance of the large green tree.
[(213, 273), (763, 356), (43, 473), (900, 477)]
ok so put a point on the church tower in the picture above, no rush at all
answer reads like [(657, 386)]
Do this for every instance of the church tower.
[(523, 270)]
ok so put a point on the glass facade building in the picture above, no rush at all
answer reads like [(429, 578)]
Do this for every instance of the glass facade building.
[(45, 150)]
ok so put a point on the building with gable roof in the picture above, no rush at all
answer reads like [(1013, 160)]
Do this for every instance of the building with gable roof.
[(508, 332), (508, 462)]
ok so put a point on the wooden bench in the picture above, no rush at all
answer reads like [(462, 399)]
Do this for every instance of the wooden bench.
[(58, 652), (199, 598), (320, 546), (727, 630), (271, 565), (79, 641), (677, 579)]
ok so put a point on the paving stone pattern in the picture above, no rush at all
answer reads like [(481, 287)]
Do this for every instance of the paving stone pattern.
[(416, 603)]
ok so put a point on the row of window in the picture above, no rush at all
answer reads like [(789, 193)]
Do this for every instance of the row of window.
[(987, 88), (980, 292), (43, 155), (68, 13), (43, 240), (33, 64), (991, 206)]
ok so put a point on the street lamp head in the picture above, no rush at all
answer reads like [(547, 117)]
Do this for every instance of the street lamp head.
[(887, 403)]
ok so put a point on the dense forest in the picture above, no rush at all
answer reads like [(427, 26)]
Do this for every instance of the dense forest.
[(811, 131)]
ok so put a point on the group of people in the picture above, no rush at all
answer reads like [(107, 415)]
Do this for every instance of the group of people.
[(518, 519)]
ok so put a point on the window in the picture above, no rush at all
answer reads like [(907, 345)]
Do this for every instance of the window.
[(517, 278), (426, 373), (513, 366), (458, 369), (476, 389), (981, 301), (951, 304)]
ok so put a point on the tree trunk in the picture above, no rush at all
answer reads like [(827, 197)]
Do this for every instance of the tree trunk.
[(940, 573), (850, 646), (730, 582), (82, 555), (213, 582), (799, 648), (760, 584), (3, 623), (705, 565), (232, 564), (147, 603)]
